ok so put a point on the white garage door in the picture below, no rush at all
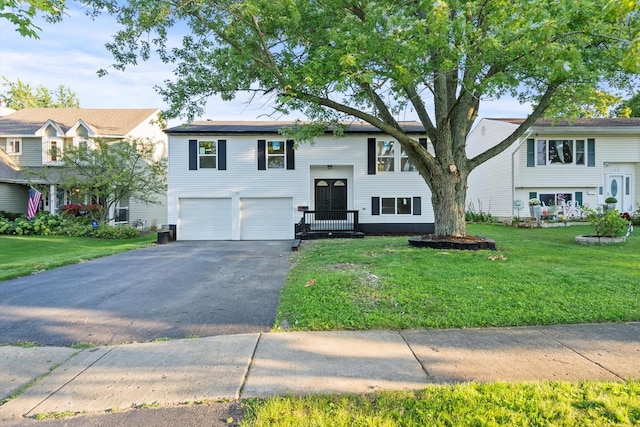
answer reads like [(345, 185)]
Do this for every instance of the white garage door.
[(266, 219), (204, 219)]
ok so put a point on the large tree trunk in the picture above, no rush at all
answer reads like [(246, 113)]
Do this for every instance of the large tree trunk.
[(448, 196)]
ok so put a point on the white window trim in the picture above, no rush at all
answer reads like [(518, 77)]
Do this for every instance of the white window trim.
[(283, 144), (409, 164), (397, 158), (46, 150), (574, 153), (386, 156), (215, 154), (396, 200), (11, 145)]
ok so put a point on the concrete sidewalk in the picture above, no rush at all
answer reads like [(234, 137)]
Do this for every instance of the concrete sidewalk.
[(267, 364)]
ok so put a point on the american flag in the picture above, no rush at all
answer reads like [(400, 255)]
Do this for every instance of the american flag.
[(34, 202)]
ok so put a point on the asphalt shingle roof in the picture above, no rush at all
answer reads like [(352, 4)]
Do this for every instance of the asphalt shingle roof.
[(104, 122), (610, 122), (272, 127)]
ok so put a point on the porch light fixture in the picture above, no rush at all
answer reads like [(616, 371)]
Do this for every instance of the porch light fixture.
[(329, 166)]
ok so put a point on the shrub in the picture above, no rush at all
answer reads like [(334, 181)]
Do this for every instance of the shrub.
[(117, 232), (635, 217), (75, 228), (42, 224), (12, 216), (71, 209), (607, 223)]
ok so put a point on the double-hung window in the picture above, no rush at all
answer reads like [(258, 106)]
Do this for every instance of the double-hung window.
[(52, 150), (275, 154), (405, 163), (14, 146), (207, 157), (391, 157), (386, 156)]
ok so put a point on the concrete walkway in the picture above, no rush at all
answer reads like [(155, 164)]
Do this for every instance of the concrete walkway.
[(267, 364)]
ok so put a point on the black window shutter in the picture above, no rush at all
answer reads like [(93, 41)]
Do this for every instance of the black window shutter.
[(417, 205), (262, 155), (291, 161), (531, 153), (533, 195), (579, 197), (375, 206), (591, 152), (371, 157), (423, 142), (222, 154), (193, 154)]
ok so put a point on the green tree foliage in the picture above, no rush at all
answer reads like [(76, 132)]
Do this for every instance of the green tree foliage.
[(373, 60), (21, 95), (112, 171), (22, 14), (629, 107), (596, 103)]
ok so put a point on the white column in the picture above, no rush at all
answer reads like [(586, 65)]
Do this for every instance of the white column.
[(52, 198)]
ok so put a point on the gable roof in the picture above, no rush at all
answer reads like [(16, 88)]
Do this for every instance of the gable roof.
[(103, 122), (9, 170), (272, 127)]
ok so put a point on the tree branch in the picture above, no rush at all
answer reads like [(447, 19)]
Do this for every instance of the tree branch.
[(526, 124), (417, 103)]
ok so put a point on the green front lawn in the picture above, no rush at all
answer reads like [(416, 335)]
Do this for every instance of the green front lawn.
[(25, 255), (496, 404), (536, 277)]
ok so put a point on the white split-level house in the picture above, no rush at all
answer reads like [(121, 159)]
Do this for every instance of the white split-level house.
[(563, 163), (35, 137), (245, 181)]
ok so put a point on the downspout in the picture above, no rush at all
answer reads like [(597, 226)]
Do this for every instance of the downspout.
[(513, 170)]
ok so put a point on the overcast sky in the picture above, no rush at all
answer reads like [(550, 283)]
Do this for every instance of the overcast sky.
[(70, 52)]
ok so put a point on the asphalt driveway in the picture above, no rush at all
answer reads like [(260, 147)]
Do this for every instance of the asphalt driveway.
[(177, 290)]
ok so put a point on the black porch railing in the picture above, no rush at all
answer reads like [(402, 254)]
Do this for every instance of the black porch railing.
[(329, 222)]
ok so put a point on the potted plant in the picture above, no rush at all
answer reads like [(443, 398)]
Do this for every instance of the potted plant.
[(535, 208), (611, 202)]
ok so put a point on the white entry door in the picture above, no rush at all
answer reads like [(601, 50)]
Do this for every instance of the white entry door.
[(615, 188)]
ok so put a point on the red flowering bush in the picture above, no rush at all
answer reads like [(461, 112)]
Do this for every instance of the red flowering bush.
[(72, 209), (93, 208)]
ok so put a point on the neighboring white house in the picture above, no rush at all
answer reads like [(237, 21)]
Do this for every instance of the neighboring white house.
[(245, 181), (34, 137), (564, 163)]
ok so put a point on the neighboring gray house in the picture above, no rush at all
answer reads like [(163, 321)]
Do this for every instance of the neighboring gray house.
[(563, 163), (34, 137)]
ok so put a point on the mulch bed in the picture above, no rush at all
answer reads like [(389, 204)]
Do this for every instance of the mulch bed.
[(471, 243)]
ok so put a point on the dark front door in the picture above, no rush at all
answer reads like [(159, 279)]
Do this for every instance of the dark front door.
[(331, 198)]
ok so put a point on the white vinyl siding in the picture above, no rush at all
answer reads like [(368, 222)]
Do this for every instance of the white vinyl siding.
[(494, 185), (329, 157)]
